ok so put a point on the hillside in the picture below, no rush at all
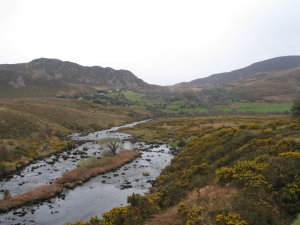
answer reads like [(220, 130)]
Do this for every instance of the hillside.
[(270, 65), (57, 77), (28, 124), (281, 86), (275, 80), (22, 84), (228, 170), (19, 118)]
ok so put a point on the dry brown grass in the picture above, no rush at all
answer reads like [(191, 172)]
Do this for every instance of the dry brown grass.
[(214, 125), (36, 195), (21, 117), (103, 165), (297, 139), (71, 179), (168, 217), (212, 198)]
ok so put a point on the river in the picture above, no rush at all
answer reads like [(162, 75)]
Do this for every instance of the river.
[(99, 194)]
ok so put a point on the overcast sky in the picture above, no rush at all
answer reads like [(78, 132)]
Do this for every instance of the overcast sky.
[(161, 41)]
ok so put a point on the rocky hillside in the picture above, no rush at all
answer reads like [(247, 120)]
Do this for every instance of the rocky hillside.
[(281, 86), (56, 72), (266, 66)]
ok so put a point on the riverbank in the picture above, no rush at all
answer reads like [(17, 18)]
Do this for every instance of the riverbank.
[(31, 127), (39, 149), (237, 170), (69, 180), (103, 165)]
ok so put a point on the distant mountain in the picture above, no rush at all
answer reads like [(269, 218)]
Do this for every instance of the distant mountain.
[(280, 86), (45, 71), (266, 66), (22, 84)]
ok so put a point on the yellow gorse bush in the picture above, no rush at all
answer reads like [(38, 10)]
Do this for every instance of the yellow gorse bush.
[(230, 218)]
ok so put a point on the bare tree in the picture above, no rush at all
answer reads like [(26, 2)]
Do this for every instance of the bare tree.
[(111, 144)]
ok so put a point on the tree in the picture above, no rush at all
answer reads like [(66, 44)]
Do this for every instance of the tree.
[(113, 146), (296, 107), (181, 144), (110, 144)]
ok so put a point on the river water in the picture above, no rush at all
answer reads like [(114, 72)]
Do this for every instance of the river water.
[(94, 197)]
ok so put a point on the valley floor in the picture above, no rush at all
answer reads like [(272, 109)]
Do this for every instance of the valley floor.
[(32, 128)]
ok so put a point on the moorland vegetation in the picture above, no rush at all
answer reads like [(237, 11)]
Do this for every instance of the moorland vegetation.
[(32, 128), (229, 170)]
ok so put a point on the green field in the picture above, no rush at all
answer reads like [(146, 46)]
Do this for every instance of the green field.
[(133, 96), (202, 110), (226, 109), (264, 107), (253, 107), (138, 107), (190, 104), (164, 103)]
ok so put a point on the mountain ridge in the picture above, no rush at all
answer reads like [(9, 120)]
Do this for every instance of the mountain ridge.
[(270, 65), (74, 73)]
